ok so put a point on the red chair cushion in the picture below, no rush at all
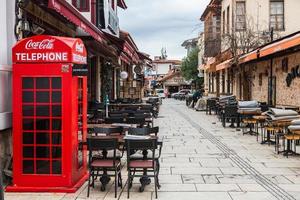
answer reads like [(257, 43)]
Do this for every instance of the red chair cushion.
[(141, 164), (104, 163)]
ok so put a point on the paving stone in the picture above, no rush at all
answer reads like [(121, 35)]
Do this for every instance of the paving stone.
[(200, 170), (210, 179), (252, 188), (235, 179), (217, 188), (194, 195), (231, 170), (251, 196), (192, 179)]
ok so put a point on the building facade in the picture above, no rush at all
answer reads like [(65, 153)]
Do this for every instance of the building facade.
[(190, 45), (7, 20), (245, 25), (110, 51)]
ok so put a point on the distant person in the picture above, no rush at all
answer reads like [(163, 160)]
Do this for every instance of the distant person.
[(196, 96)]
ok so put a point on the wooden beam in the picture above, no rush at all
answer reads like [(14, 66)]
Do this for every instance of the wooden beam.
[(48, 18)]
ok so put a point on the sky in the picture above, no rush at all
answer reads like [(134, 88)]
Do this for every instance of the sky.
[(154, 24)]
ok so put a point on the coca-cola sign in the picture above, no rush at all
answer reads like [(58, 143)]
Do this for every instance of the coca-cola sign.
[(44, 44), (50, 49)]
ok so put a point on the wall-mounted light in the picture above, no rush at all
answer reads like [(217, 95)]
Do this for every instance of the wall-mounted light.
[(124, 75)]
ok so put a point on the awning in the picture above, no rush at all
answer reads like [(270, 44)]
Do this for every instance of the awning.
[(210, 65), (224, 65), (280, 45), (74, 16), (248, 57), (275, 47)]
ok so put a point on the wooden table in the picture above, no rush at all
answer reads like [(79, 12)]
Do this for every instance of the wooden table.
[(124, 105), (114, 125), (260, 119)]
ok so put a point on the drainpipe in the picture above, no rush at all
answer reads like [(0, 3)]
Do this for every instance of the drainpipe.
[(271, 74)]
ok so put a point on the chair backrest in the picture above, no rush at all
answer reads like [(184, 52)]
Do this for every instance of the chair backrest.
[(143, 145), (264, 107), (231, 110), (112, 120), (101, 143), (107, 131), (139, 131), (118, 115), (142, 115), (135, 120), (211, 102), (154, 130)]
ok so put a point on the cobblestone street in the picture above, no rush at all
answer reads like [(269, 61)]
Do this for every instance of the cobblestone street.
[(202, 160)]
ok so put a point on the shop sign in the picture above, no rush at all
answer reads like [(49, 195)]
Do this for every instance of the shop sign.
[(44, 48), (295, 72), (80, 70)]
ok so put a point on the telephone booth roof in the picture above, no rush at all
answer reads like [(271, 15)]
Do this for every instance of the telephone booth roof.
[(50, 49)]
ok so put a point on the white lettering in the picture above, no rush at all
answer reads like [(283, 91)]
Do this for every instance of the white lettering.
[(48, 56), (79, 47), (44, 44), (79, 58)]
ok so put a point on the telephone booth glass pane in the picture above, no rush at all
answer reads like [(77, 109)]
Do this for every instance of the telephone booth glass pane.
[(42, 125), (80, 122)]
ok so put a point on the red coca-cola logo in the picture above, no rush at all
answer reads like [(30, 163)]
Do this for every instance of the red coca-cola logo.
[(44, 44)]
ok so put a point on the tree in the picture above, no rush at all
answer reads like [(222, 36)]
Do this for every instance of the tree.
[(189, 67)]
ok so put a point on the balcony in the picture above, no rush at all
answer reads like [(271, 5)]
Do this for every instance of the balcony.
[(113, 21)]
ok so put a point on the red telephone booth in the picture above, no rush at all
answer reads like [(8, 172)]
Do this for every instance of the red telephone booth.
[(49, 114)]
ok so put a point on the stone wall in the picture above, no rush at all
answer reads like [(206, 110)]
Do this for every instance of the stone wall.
[(284, 95), (5, 147)]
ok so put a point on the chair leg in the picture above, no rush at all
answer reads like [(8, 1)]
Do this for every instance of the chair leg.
[(155, 183), (128, 184), (89, 183), (158, 169), (120, 179), (116, 183)]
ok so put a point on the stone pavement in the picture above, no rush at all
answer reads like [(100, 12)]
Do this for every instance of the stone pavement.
[(202, 160)]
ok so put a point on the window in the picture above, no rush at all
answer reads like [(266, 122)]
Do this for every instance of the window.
[(227, 20), (82, 5), (42, 125), (100, 16), (277, 15), (240, 23)]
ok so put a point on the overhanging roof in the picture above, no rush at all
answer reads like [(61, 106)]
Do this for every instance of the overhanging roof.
[(74, 16), (274, 47)]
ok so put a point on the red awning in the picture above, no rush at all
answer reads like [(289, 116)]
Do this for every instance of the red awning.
[(74, 16), (280, 46)]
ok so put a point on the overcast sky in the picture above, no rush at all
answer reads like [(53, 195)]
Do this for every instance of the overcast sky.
[(154, 24)]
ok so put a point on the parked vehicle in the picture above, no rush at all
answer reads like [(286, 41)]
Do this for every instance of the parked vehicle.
[(161, 93), (181, 94)]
